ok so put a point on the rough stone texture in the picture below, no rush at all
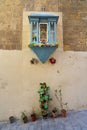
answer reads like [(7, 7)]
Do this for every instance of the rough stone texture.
[(74, 21), (10, 24), (74, 24)]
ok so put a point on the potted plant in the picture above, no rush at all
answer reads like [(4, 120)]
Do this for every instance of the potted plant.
[(52, 60), (12, 119), (33, 61), (33, 116), (24, 117), (58, 95), (54, 112), (44, 98)]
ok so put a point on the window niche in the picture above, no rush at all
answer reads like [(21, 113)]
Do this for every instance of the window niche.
[(43, 32), (43, 28)]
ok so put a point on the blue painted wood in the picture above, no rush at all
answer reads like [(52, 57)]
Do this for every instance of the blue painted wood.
[(37, 32), (48, 32), (34, 32), (43, 53), (43, 15), (54, 32), (31, 33)]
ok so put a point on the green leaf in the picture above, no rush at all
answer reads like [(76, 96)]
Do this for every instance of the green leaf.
[(41, 99), (46, 97), (45, 105), (23, 115)]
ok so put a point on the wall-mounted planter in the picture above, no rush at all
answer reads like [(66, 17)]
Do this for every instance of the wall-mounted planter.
[(33, 61), (44, 52), (52, 60)]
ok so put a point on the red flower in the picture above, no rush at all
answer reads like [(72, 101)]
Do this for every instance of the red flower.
[(52, 60)]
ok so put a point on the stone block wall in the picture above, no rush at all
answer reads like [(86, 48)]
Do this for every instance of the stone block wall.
[(10, 24), (74, 21), (74, 24)]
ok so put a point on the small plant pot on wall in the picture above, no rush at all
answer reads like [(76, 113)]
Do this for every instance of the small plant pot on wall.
[(52, 60), (34, 61)]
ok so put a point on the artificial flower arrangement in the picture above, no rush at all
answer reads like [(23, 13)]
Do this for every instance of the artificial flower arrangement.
[(52, 60), (43, 45), (33, 61)]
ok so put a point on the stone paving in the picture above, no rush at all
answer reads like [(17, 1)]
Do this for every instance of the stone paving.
[(75, 120)]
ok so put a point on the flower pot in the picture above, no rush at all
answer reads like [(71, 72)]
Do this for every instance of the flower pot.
[(25, 120), (63, 113), (52, 60), (54, 114), (45, 116), (12, 119), (33, 117)]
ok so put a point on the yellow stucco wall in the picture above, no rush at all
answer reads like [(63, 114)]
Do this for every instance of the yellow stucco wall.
[(19, 81)]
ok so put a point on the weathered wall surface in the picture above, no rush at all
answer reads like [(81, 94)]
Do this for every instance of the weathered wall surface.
[(74, 21), (19, 81), (75, 24)]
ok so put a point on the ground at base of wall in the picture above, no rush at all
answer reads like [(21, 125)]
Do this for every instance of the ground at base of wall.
[(75, 120)]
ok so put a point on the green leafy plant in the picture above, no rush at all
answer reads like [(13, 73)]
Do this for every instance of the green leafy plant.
[(44, 98), (24, 117)]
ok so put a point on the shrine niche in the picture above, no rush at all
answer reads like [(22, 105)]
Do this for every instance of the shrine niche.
[(43, 34)]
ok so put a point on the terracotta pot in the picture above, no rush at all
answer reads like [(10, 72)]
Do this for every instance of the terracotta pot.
[(54, 114), (45, 115), (63, 113), (25, 120), (33, 117), (12, 119)]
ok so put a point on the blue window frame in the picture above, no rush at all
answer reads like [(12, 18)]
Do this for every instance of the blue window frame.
[(43, 27), (34, 32)]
